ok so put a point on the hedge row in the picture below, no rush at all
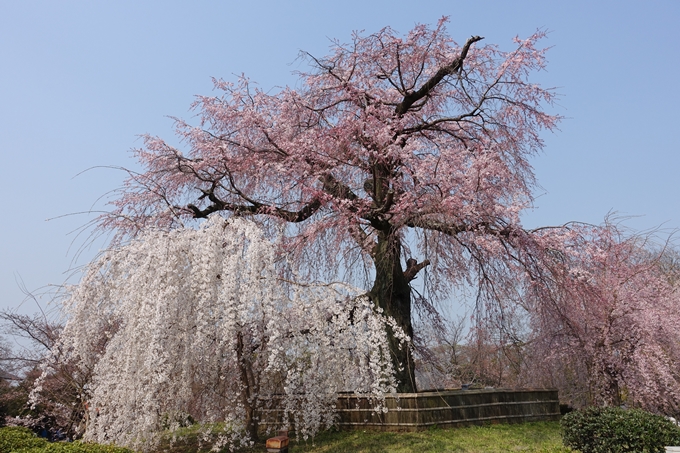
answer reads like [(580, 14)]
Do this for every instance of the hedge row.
[(22, 440), (617, 430)]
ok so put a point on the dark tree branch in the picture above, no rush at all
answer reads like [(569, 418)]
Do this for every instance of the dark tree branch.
[(389, 201), (257, 208), (337, 189), (363, 240), (331, 186), (455, 66), (413, 267), (455, 229)]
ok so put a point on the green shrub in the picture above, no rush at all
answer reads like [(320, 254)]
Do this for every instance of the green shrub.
[(617, 430), (22, 440), (15, 438), (74, 447)]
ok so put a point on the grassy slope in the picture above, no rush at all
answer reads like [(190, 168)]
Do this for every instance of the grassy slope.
[(543, 437), (528, 437)]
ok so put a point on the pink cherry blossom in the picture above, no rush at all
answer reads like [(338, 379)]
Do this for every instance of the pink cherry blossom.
[(397, 153)]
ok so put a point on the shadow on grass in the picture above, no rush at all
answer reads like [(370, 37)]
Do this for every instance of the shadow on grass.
[(541, 437)]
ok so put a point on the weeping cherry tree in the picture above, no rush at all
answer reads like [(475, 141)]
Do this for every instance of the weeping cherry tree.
[(202, 327)]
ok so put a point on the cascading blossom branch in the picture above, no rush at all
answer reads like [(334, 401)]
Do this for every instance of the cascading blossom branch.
[(608, 333), (201, 326)]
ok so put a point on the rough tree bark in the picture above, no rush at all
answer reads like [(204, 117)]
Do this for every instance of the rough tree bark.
[(250, 389), (392, 293)]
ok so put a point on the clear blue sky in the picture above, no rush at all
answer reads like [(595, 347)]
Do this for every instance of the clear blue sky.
[(79, 80)]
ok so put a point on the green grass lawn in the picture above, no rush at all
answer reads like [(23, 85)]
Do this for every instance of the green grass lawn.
[(543, 437), (528, 437)]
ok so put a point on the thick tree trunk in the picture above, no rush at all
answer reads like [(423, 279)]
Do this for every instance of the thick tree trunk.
[(392, 293), (250, 389)]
